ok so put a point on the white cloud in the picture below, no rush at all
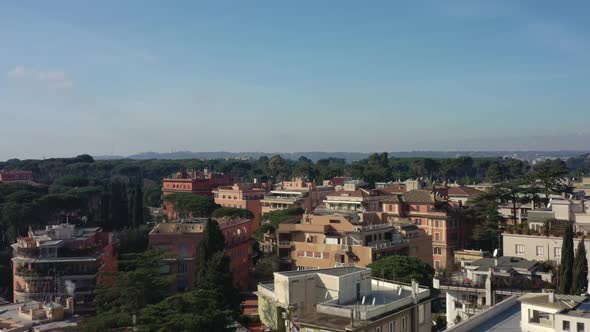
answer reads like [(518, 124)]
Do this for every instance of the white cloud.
[(52, 78)]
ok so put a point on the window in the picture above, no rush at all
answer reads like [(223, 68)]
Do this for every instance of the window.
[(378, 329), (437, 251), (566, 325), (540, 251), (580, 327), (557, 252), (421, 314), (334, 221), (404, 323), (436, 236), (519, 249), (391, 326)]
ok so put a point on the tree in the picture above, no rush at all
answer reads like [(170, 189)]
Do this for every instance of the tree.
[(551, 173), (212, 273), (231, 212), (483, 214), (278, 168), (197, 310), (566, 268), (137, 207), (119, 216), (403, 269), (580, 274), (188, 205)]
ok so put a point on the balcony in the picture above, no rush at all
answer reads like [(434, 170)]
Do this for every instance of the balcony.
[(284, 244), (387, 244)]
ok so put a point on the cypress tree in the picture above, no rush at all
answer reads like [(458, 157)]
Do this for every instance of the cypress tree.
[(212, 270), (580, 282), (566, 268), (118, 204), (137, 208)]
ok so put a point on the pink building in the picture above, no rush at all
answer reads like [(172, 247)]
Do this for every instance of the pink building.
[(244, 196), (296, 193)]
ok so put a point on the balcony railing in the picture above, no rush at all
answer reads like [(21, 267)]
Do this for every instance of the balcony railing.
[(387, 244)]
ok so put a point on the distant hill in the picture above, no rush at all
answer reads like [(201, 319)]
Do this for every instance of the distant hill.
[(350, 156)]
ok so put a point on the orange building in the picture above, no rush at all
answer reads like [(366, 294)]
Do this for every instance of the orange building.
[(244, 196), (337, 239), (195, 182), (182, 241), (296, 193), (431, 211)]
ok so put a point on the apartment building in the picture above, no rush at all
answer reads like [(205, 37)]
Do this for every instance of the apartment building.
[(342, 299), (201, 183), (295, 193), (356, 200), (431, 211), (62, 261), (324, 240), (554, 312), (244, 196), (482, 283), (182, 240), (462, 194)]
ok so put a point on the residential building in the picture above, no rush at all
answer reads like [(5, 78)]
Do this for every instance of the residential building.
[(62, 261), (182, 240), (7, 175), (342, 299), (356, 200), (201, 183), (244, 196), (554, 312), (431, 211), (503, 316), (419, 243), (295, 193), (482, 283), (462, 194), (324, 240)]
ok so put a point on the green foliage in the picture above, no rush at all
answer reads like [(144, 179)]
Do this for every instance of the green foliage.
[(133, 240), (212, 273), (403, 269), (483, 214), (232, 212), (265, 267), (137, 213), (278, 168), (189, 205), (566, 268), (197, 310), (580, 274), (72, 181), (274, 218)]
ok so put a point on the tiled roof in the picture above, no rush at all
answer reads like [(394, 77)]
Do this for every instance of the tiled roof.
[(418, 196), (463, 191)]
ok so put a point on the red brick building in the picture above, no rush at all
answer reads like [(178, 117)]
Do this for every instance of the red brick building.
[(194, 182), (16, 175), (431, 211), (182, 241)]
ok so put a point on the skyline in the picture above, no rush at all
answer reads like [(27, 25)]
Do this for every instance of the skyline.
[(121, 79)]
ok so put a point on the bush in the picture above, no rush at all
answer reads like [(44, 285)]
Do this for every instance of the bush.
[(232, 212)]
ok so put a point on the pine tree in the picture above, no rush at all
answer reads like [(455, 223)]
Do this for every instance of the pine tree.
[(580, 282), (118, 204), (567, 261)]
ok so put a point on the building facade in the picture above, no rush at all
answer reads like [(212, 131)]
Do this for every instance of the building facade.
[(342, 299), (182, 241), (244, 196), (431, 211), (201, 183), (297, 193), (62, 261), (334, 239)]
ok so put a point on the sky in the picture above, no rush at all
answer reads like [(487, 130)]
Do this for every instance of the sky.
[(123, 77)]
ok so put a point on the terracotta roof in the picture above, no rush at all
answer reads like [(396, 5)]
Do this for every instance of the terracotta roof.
[(419, 196), (463, 191)]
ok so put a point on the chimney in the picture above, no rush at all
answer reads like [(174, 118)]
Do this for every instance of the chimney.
[(415, 290)]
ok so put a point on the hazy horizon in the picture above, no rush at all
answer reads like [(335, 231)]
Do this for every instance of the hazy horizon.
[(119, 78)]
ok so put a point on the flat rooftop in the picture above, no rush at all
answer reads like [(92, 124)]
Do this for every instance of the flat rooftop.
[(336, 271)]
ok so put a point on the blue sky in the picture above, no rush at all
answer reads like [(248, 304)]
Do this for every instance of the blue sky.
[(131, 76)]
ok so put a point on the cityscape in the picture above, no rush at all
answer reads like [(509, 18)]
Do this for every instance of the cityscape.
[(266, 166)]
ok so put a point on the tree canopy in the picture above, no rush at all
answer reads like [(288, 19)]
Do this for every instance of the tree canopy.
[(403, 269)]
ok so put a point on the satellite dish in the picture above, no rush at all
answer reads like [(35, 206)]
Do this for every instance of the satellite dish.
[(363, 302), (495, 253)]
